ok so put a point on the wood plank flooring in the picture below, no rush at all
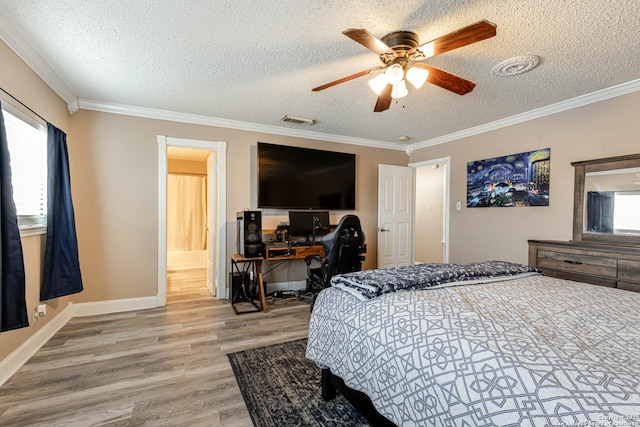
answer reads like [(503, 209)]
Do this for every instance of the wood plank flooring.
[(159, 367)]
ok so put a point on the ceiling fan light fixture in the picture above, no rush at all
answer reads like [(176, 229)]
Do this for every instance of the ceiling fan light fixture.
[(399, 90), (394, 74), (378, 83), (398, 50), (417, 76)]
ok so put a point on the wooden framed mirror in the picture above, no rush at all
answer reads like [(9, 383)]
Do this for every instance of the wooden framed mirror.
[(606, 206)]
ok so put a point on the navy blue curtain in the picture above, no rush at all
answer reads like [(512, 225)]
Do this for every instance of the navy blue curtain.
[(61, 274), (13, 304)]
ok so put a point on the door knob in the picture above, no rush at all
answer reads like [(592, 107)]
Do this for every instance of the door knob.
[(382, 229)]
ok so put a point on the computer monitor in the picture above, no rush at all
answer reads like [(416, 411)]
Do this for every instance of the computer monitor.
[(308, 223)]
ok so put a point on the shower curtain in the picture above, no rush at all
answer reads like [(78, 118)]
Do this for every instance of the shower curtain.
[(186, 212)]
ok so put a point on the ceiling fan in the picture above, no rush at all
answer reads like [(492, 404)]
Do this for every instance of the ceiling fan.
[(400, 52)]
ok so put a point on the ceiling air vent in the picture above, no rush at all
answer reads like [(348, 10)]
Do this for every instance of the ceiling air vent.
[(297, 120)]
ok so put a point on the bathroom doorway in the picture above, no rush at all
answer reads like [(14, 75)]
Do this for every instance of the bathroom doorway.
[(431, 214), (215, 228), (187, 211)]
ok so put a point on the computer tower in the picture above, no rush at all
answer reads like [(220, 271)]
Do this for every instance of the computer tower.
[(249, 241), (242, 289)]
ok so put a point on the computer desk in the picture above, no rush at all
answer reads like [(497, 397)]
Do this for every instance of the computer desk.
[(273, 253)]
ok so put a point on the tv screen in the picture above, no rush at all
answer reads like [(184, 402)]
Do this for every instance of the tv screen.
[(304, 178)]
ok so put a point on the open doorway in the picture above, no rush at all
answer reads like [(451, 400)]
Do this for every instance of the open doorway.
[(187, 211), (431, 211), (174, 257)]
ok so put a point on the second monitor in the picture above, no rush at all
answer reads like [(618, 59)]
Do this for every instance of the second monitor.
[(308, 224)]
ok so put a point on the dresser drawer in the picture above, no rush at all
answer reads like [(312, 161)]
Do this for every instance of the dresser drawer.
[(629, 270), (594, 280), (578, 263), (628, 286)]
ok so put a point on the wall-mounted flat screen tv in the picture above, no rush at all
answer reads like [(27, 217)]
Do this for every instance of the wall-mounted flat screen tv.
[(304, 178)]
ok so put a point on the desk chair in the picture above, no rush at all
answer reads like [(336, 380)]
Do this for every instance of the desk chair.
[(343, 250)]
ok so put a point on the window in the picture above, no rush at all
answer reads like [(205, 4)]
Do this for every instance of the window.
[(27, 140), (625, 214)]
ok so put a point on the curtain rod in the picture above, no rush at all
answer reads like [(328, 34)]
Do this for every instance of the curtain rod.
[(25, 106)]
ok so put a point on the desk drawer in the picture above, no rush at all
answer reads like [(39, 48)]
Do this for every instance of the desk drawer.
[(304, 251), (295, 252), (578, 263)]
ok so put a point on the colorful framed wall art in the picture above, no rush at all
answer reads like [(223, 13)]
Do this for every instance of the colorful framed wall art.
[(515, 180)]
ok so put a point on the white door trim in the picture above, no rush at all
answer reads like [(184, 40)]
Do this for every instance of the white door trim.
[(220, 147), (447, 200)]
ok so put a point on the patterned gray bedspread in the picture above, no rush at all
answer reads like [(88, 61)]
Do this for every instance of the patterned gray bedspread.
[(368, 284), (532, 351)]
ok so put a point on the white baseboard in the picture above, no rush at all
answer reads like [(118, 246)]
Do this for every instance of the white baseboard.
[(19, 356), (113, 306), (10, 364)]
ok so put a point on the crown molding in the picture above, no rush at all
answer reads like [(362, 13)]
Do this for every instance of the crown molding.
[(590, 98), (23, 49), (150, 113)]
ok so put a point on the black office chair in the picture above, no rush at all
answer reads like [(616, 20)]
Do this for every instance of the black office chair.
[(343, 248)]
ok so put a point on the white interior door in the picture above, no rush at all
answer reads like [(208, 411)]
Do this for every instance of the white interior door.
[(395, 215), (212, 210)]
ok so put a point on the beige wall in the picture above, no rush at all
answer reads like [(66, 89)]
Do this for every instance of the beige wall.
[(604, 129), (114, 177), (18, 79)]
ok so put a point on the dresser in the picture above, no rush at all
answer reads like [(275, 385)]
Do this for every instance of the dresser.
[(615, 266), (602, 252)]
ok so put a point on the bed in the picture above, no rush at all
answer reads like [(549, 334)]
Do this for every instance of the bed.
[(477, 349)]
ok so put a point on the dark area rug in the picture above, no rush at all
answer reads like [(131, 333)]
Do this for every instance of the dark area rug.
[(281, 387)]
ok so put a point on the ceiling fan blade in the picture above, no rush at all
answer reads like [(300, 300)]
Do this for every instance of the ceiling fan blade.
[(446, 80), (481, 30), (384, 99), (346, 79), (368, 40)]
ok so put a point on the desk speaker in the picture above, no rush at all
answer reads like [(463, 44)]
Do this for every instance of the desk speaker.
[(250, 234)]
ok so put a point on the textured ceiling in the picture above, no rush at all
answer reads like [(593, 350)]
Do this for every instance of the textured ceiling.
[(254, 62)]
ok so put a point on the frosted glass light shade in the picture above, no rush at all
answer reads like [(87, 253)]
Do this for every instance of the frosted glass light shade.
[(417, 76), (399, 90), (378, 83), (394, 74)]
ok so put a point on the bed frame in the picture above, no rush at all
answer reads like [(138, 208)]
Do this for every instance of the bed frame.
[(332, 383)]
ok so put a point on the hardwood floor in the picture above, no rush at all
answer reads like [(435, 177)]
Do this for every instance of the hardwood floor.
[(157, 367)]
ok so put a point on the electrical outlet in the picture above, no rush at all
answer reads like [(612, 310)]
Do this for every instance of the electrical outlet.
[(40, 311)]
